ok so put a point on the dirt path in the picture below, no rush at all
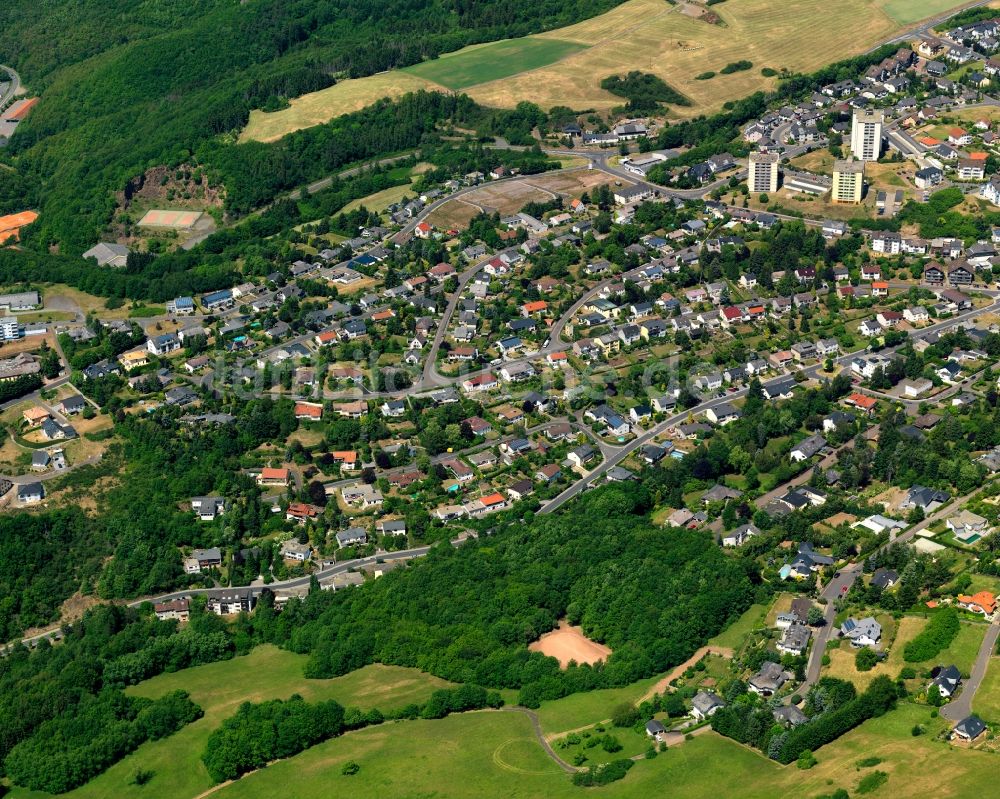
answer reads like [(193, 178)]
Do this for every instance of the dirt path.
[(663, 684), (536, 724)]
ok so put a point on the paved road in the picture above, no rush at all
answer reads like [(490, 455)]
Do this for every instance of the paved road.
[(322, 575), (926, 26), (657, 430), (845, 579), (12, 87), (962, 707)]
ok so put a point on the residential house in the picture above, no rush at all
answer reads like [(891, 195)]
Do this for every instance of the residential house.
[(705, 704), (768, 680), (983, 602), (862, 632)]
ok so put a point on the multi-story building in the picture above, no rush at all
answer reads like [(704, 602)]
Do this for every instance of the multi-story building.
[(763, 173), (848, 181), (9, 328), (866, 135)]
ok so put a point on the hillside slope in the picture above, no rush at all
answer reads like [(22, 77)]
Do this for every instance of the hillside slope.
[(129, 85)]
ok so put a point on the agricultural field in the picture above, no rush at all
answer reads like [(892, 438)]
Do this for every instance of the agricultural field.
[(481, 63), (906, 12), (219, 688), (506, 197), (452, 214), (344, 97), (566, 66)]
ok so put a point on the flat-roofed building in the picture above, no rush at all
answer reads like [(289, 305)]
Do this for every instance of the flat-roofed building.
[(866, 135), (763, 173), (848, 181)]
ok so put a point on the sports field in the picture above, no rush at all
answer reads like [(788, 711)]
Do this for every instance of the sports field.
[(485, 62), (179, 220)]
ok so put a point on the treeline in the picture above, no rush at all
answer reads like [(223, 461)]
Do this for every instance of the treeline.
[(934, 638), (79, 744), (643, 90), (255, 173), (833, 705), (878, 698), (261, 733), (66, 718), (604, 774), (19, 386)]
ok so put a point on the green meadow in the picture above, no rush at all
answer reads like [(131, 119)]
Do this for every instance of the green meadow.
[(482, 63)]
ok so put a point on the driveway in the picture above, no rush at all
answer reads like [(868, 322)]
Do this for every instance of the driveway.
[(962, 707)]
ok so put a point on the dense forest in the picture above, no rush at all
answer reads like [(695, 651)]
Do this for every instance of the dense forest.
[(467, 614), (66, 717), (175, 75)]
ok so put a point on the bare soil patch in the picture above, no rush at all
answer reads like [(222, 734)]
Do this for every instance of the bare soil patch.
[(567, 643)]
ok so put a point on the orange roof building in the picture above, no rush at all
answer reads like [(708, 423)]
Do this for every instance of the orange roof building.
[(300, 511), (19, 110), (534, 307), (35, 415), (347, 458), (10, 225), (493, 500), (308, 410), (272, 475), (984, 602), (861, 401)]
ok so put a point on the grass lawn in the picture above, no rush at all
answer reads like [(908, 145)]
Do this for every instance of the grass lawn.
[(962, 653), (145, 311), (61, 297), (987, 700), (495, 754), (734, 634), (481, 63), (581, 710), (906, 11), (380, 200), (219, 688)]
